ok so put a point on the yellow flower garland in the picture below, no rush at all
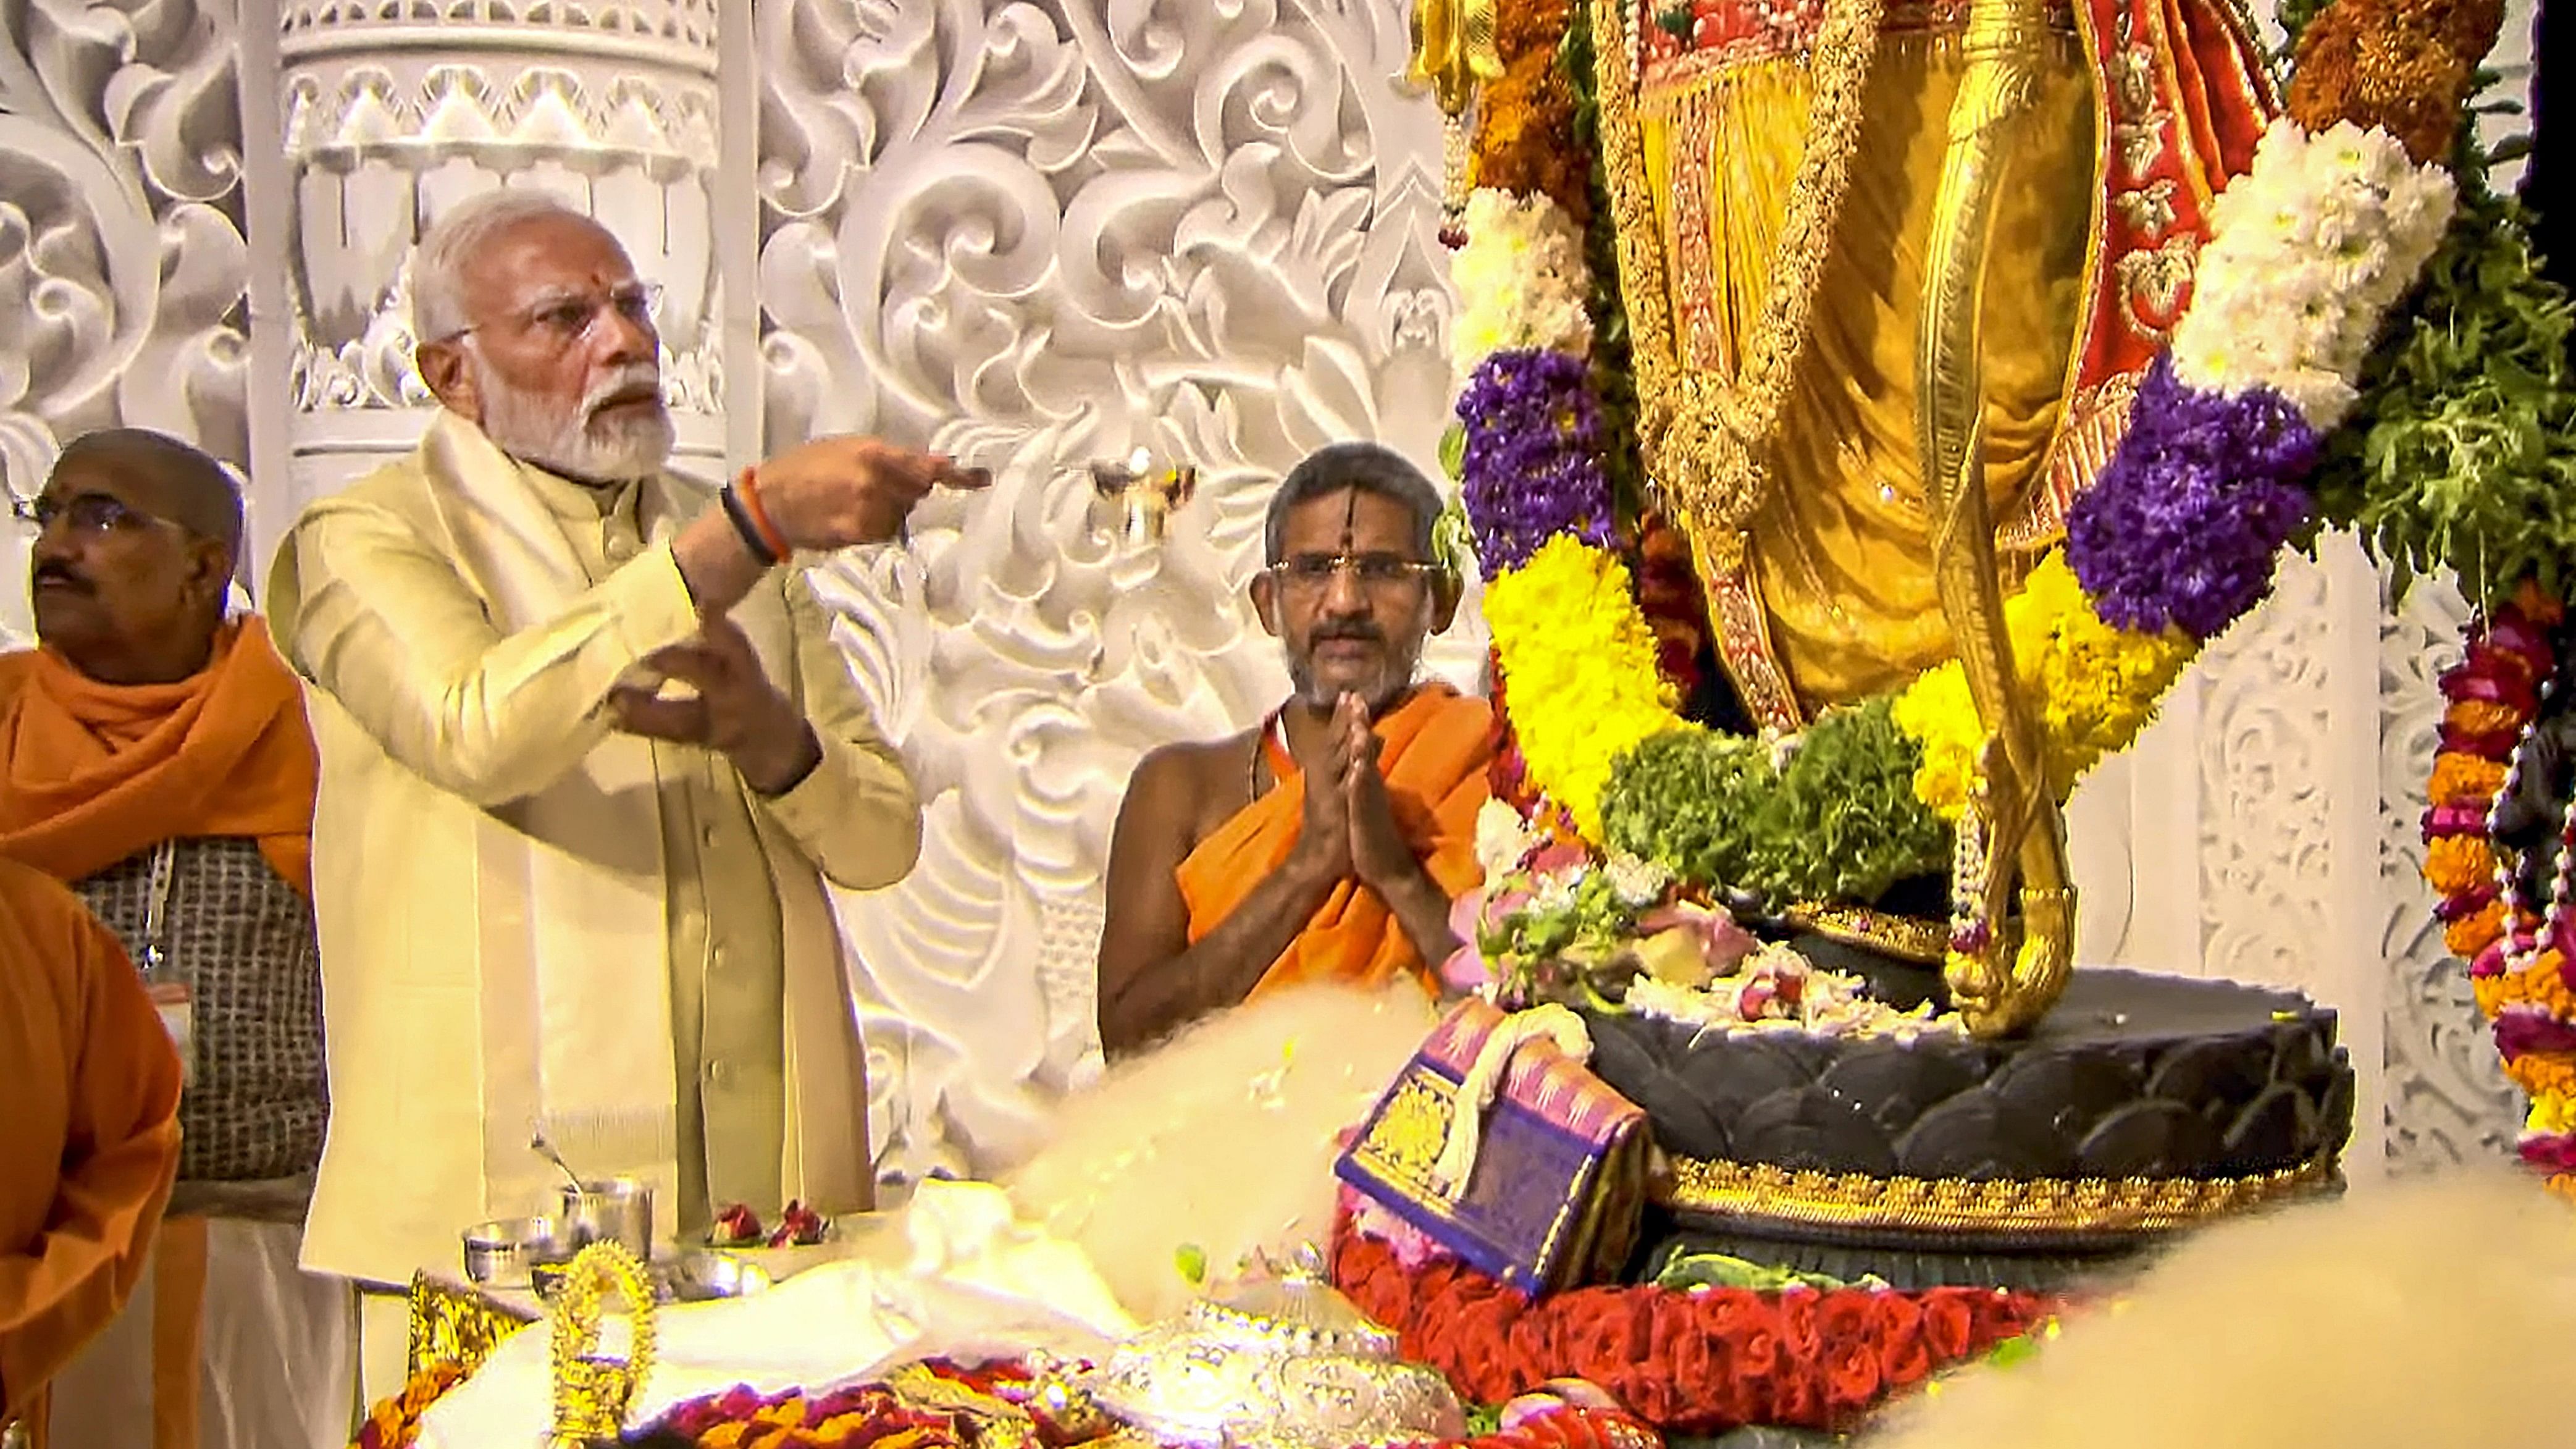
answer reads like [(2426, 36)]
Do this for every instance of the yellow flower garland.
[(2097, 686), (1581, 659), (1568, 635)]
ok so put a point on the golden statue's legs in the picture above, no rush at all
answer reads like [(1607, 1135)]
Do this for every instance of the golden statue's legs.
[(1999, 985)]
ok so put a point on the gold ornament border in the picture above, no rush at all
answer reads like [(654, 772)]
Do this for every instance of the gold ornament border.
[(1907, 938), (592, 1394), (455, 1324), (2027, 1205), (1707, 440)]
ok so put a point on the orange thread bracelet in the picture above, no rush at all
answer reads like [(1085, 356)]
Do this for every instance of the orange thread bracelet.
[(749, 491)]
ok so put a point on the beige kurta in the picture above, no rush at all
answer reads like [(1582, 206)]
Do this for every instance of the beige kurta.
[(480, 880)]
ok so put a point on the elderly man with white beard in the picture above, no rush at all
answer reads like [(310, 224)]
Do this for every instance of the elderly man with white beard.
[(588, 759)]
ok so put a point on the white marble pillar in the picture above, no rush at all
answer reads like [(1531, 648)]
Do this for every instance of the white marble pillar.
[(391, 112)]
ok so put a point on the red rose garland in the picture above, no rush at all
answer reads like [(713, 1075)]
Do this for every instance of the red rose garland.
[(1698, 1362)]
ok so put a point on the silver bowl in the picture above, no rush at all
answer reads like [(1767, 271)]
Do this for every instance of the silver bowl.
[(706, 1277), (610, 1210), (505, 1252)]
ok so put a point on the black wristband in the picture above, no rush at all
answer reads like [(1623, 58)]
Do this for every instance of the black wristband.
[(744, 529)]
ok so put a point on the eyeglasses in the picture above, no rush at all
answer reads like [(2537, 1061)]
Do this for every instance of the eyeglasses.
[(88, 513), (565, 320), (1382, 573)]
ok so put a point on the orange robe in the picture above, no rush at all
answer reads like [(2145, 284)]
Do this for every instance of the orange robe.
[(93, 773), (1437, 745), (89, 1144)]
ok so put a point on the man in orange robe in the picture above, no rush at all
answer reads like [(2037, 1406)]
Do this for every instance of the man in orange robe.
[(1328, 843), (154, 758), (90, 1142), (147, 716)]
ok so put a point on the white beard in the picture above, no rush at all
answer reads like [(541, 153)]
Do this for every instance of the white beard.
[(576, 444)]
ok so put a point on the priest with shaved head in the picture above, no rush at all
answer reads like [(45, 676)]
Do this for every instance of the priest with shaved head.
[(154, 758)]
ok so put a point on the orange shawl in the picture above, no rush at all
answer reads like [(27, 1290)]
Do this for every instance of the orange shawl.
[(93, 773), (1438, 744)]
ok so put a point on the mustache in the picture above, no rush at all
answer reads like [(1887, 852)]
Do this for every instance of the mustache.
[(632, 383), (1353, 633), (55, 571)]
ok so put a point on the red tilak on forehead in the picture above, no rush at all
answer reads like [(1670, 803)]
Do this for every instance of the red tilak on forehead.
[(1350, 519)]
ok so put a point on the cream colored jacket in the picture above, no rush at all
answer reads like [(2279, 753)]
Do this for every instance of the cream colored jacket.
[(488, 864)]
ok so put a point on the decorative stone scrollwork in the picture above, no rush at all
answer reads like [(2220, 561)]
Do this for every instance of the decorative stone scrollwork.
[(2265, 790), (688, 23), (547, 116), (1031, 236), (122, 260)]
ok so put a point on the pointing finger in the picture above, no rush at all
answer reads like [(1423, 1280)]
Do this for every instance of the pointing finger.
[(953, 474)]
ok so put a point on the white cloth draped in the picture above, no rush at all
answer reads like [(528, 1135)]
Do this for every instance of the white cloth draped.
[(965, 1279)]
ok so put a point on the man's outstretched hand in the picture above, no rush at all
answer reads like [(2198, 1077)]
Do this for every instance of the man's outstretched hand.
[(827, 494), (735, 710), (842, 491)]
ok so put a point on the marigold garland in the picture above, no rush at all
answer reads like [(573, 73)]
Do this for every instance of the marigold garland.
[(2405, 67), (394, 1423), (1566, 631), (2097, 686), (1524, 119), (2494, 694)]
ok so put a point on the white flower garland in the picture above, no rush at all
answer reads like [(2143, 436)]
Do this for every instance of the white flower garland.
[(1521, 279), (2307, 253)]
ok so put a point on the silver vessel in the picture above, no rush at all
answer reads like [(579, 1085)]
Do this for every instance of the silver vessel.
[(1286, 1363)]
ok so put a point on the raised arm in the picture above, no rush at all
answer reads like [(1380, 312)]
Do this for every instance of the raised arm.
[(379, 619), (369, 612)]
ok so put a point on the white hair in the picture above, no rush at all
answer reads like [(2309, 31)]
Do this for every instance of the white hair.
[(438, 262)]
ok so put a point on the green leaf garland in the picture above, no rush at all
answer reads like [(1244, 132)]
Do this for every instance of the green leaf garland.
[(2461, 454), (1837, 821), (1614, 380)]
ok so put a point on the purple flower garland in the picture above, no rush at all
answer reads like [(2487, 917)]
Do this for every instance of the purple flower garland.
[(2183, 526), (1532, 465)]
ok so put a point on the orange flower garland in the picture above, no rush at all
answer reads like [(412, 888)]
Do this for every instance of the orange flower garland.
[(2517, 963), (1524, 119), (395, 1422)]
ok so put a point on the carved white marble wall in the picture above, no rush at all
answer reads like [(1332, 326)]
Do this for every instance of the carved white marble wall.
[(2293, 854), (122, 261), (393, 110), (1032, 234)]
